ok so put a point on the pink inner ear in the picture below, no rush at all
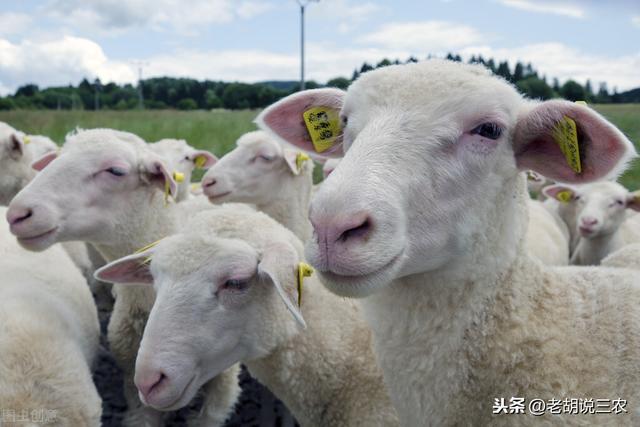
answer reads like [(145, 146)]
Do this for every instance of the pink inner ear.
[(126, 271), (603, 148), (43, 161), (210, 158), (285, 119), (553, 190), (290, 157)]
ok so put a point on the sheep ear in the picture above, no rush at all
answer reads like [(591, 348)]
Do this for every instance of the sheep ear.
[(280, 259), (290, 157), (307, 120), (157, 173), (44, 161), (562, 193), (633, 200), (569, 142), (16, 146), (203, 159), (132, 269)]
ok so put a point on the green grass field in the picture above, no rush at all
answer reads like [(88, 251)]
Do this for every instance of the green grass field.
[(217, 131)]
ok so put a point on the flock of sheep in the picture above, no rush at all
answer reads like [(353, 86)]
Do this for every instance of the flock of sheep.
[(458, 284)]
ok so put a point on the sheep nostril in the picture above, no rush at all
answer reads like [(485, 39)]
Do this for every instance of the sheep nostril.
[(359, 231), (19, 217), (209, 182)]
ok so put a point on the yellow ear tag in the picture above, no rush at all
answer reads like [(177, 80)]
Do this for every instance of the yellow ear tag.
[(581, 103), (530, 176), (200, 161), (26, 139), (147, 260), (178, 176), (323, 125), (566, 135), (195, 186), (564, 196), (167, 189), (304, 270), (300, 159)]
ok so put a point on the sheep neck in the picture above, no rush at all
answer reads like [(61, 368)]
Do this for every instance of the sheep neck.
[(144, 225), (592, 251), (434, 313), (318, 376), (291, 205)]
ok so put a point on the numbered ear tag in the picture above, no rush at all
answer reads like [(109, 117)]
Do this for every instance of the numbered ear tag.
[(564, 196), (300, 159), (200, 161), (323, 125), (565, 134), (304, 270)]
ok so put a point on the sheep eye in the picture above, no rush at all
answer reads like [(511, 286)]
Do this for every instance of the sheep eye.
[(345, 121), (116, 171), (488, 130), (620, 202), (266, 158), (236, 284)]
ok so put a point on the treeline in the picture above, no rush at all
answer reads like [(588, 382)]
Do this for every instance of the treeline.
[(190, 94)]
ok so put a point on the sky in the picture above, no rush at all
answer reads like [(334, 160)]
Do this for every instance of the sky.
[(59, 42)]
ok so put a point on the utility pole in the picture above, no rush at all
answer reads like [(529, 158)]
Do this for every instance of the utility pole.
[(303, 4), (140, 65)]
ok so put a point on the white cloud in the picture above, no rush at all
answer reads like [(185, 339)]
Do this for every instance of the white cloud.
[(635, 20), (426, 36), (346, 14), (564, 62), (59, 62), (116, 16), (14, 23), (571, 10)]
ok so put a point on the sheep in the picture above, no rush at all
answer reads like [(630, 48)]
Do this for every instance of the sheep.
[(327, 374), (535, 184), (600, 211), (109, 189), (547, 237), (17, 151), (183, 158), (259, 171), (426, 217), (49, 336), (626, 257)]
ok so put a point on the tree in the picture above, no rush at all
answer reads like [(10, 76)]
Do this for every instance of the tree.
[(365, 67), (518, 72), (187, 104), (384, 63), (572, 91), (504, 71), (535, 88), (27, 90), (212, 100), (339, 82)]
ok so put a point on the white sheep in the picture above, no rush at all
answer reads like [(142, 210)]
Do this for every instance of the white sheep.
[(626, 257), (426, 215), (183, 158), (535, 184), (259, 171), (220, 289), (49, 335), (17, 151), (602, 222), (547, 237), (109, 189)]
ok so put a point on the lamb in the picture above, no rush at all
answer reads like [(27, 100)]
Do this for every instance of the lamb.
[(109, 189), (547, 237), (601, 211), (183, 158), (259, 171), (49, 336), (626, 257), (535, 184), (326, 374), (426, 217)]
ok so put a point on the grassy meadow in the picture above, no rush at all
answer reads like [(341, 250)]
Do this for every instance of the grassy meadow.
[(218, 130)]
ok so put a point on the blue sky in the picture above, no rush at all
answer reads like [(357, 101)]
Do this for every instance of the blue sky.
[(57, 42)]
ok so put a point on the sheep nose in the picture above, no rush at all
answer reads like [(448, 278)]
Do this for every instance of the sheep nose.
[(149, 382), (209, 182), (589, 221), (17, 214), (332, 233)]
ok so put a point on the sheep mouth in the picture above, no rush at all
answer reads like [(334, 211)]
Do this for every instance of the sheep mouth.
[(218, 196), (587, 232), (176, 403), (37, 238)]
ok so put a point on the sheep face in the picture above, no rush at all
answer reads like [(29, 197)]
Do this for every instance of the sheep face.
[(252, 171), (15, 161), (96, 184), (216, 304), (429, 148), (183, 158), (600, 207)]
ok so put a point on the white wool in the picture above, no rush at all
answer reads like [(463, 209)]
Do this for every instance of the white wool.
[(547, 235), (49, 335)]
